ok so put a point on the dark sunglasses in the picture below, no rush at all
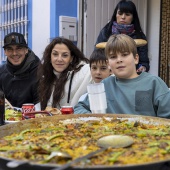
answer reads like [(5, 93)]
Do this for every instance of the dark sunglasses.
[(13, 39)]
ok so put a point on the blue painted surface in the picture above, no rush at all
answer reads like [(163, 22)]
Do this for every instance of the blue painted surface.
[(30, 24), (53, 4), (60, 7)]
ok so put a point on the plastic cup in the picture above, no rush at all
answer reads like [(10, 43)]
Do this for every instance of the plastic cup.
[(97, 98)]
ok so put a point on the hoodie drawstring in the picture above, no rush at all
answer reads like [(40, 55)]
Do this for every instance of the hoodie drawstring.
[(69, 90)]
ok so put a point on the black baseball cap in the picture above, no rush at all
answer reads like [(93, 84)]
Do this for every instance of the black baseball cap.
[(14, 38)]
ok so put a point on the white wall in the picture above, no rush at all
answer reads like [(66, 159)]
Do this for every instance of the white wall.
[(40, 26), (153, 34)]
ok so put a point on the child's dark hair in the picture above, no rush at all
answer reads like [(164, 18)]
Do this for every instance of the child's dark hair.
[(98, 55)]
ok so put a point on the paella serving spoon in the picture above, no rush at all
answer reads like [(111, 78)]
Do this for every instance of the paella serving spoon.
[(111, 141), (58, 154), (15, 164)]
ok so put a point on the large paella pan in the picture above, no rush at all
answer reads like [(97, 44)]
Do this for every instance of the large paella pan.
[(22, 143)]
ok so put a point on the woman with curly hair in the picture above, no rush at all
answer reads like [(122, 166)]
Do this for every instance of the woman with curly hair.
[(64, 74)]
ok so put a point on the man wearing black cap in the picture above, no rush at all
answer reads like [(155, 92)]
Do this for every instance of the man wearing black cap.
[(18, 77)]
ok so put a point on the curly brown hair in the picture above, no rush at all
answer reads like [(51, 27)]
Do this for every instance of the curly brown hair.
[(48, 79)]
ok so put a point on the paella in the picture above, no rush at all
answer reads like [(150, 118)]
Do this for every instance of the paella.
[(79, 137)]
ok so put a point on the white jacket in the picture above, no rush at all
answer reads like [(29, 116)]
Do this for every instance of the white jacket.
[(79, 87)]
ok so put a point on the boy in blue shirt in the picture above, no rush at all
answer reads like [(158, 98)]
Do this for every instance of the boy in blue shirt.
[(127, 92)]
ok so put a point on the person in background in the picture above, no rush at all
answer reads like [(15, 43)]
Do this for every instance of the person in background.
[(127, 92), (18, 76), (64, 74), (125, 20), (99, 67)]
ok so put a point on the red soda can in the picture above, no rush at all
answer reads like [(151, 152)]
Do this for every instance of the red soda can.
[(67, 110), (28, 107)]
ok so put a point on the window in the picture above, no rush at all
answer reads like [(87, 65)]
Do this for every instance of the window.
[(13, 18)]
